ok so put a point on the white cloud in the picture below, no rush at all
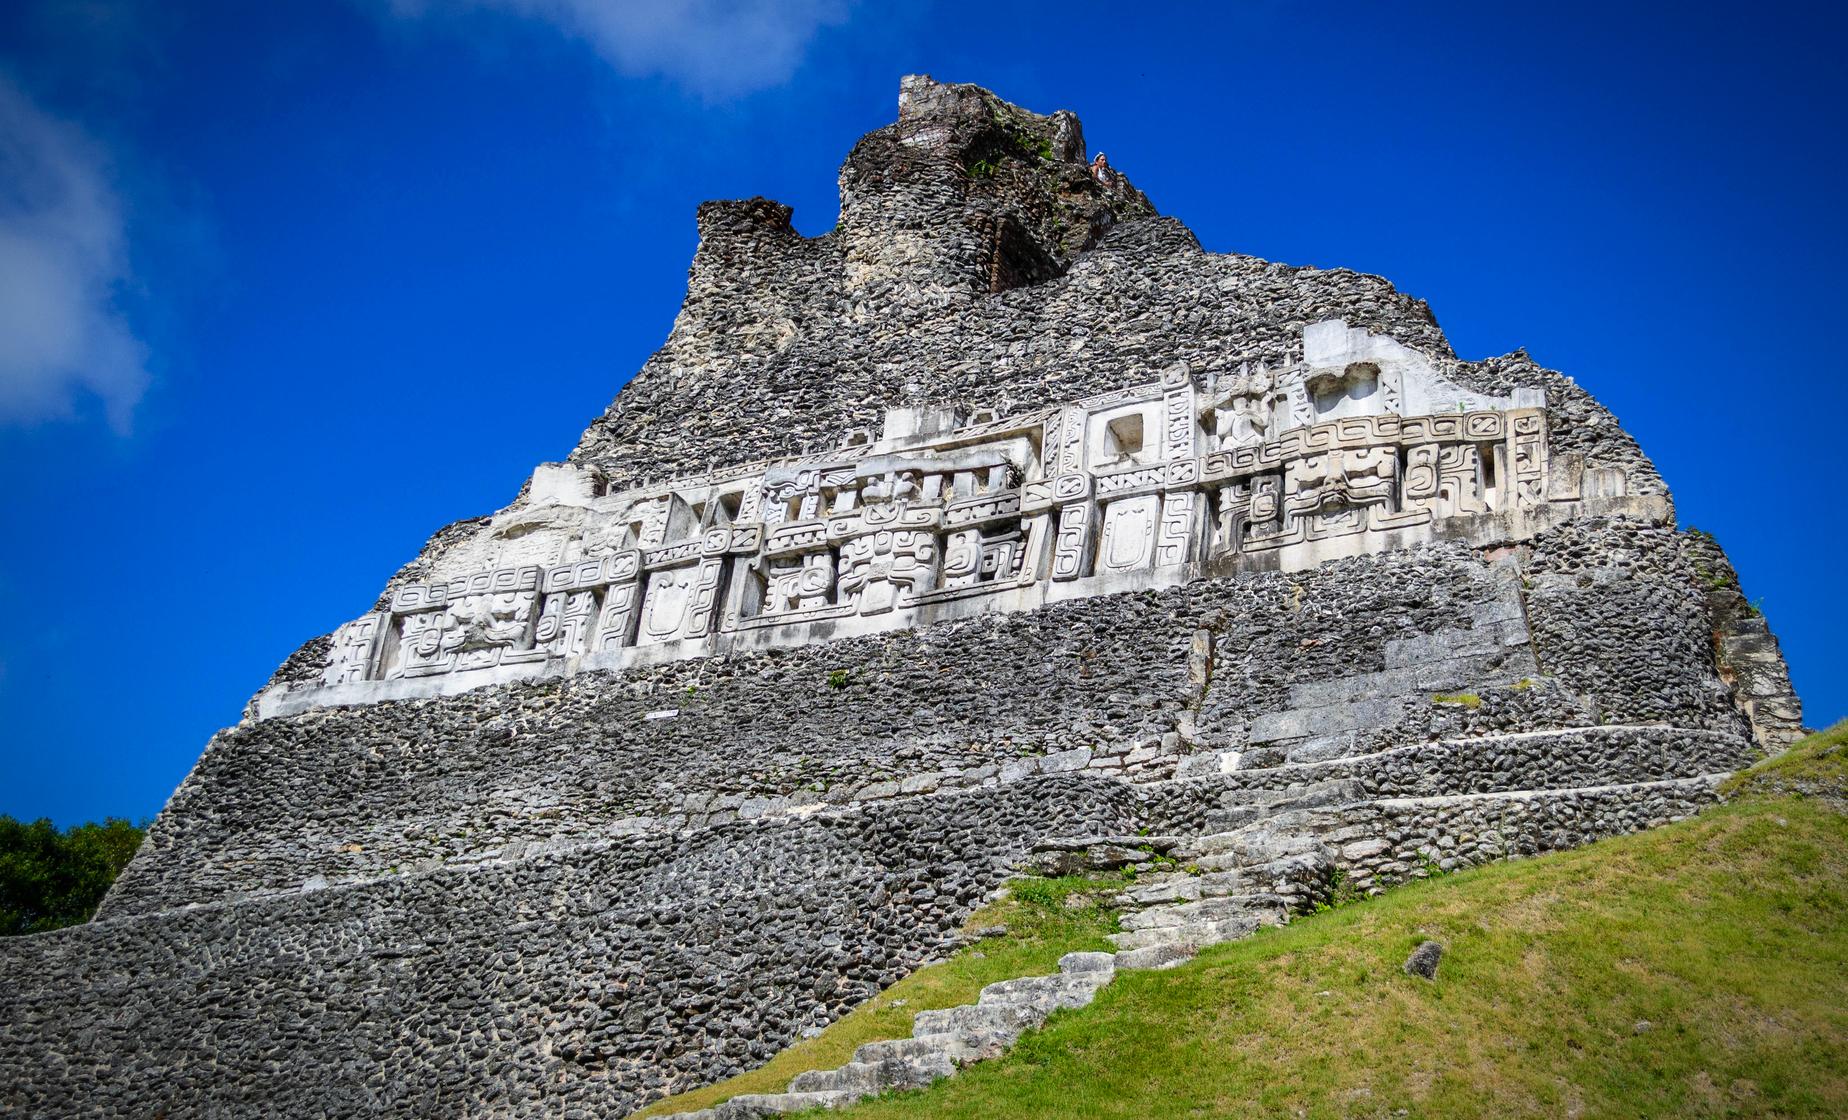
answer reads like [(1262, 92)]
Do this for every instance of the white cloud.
[(63, 260), (715, 48)]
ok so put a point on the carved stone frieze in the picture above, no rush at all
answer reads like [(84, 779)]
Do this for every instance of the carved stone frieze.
[(1349, 449)]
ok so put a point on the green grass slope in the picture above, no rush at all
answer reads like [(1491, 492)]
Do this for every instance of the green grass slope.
[(1696, 970), (1025, 935)]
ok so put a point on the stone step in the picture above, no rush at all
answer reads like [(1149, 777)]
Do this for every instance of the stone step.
[(1243, 808), (1003, 1020), (1224, 907), (1121, 840), (1151, 957), (752, 1106), (1193, 934), (1491, 636), (1297, 795), (1154, 890), (919, 1046), (1273, 879), (1386, 683), (1246, 847), (1235, 861), (1234, 817), (869, 1078), (941, 1041), (1242, 880), (1073, 964), (1042, 995), (1325, 720), (1285, 876), (1494, 651), (1076, 855)]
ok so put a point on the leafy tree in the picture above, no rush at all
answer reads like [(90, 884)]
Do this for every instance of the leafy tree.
[(50, 879)]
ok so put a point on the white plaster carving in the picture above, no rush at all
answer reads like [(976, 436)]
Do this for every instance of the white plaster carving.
[(878, 566), (356, 649), (1351, 449)]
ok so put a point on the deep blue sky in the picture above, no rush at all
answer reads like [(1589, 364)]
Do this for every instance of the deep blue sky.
[(286, 286)]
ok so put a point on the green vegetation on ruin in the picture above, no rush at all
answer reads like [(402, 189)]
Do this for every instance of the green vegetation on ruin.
[(1043, 920), (1700, 969), (1816, 767)]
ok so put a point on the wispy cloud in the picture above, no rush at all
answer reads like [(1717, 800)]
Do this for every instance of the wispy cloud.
[(714, 48), (63, 264)]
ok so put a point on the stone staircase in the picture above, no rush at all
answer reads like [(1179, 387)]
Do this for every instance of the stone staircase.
[(1249, 875), (1254, 869), (941, 1041), (1261, 854)]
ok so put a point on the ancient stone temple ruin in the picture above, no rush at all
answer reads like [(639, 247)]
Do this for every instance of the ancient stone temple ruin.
[(998, 524), (1356, 445)]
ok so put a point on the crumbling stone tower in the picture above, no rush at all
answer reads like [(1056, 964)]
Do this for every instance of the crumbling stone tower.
[(1000, 517)]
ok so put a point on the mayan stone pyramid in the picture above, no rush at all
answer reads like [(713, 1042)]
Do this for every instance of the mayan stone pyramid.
[(994, 527)]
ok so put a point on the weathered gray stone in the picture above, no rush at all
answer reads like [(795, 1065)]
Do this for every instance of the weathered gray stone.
[(1423, 961)]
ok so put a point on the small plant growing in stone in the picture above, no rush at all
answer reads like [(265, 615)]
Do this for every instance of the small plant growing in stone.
[(1341, 892), (1459, 699), (837, 678), (1034, 890), (1156, 860)]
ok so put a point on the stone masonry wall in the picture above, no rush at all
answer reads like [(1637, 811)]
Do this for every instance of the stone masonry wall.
[(1616, 612), (339, 794), (342, 794), (610, 970), (575, 984), (1390, 841), (1508, 762), (1750, 662)]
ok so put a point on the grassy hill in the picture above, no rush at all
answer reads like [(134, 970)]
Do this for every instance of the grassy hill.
[(1696, 970)]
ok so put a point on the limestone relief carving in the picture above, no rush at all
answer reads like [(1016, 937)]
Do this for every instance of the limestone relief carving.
[(1350, 446)]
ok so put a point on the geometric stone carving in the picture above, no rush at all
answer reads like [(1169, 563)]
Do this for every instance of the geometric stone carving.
[(1129, 533), (565, 623), (1358, 441), (1072, 552), (877, 567), (1175, 536), (798, 582), (356, 649), (666, 603)]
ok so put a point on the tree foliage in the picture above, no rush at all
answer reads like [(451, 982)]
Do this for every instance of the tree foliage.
[(50, 878)]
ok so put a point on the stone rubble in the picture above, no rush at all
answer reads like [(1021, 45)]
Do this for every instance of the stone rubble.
[(1423, 961)]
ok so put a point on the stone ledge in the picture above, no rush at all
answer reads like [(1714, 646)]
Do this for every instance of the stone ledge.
[(1478, 531)]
